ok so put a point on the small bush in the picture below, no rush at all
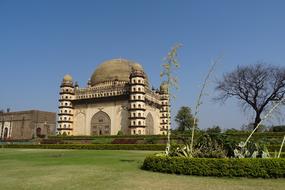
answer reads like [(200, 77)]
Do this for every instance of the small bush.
[(265, 168), (120, 133)]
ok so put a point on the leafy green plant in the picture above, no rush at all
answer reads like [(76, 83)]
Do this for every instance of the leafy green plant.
[(209, 146), (181, 151), (205, 146), (251, 150)]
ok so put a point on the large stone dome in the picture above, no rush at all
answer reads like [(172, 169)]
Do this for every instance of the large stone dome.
[(114, 69)]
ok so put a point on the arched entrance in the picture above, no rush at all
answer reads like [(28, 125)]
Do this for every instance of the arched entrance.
[(38, 132), (149, 128), (101, 124)]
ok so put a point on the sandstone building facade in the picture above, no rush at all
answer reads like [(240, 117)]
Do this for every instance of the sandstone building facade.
[(117, 98), (26, 124)]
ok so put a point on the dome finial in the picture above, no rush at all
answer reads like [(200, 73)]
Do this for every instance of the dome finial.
[(67, 78), (137, 67), (164, 87)]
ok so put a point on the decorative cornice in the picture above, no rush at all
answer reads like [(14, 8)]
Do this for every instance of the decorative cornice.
[(64, 121), (137, 126)]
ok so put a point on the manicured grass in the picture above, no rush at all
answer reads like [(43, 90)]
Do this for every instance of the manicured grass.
[(103, 169)]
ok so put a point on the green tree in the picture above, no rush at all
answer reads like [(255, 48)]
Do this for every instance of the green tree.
[(277, 128), (214, 129), (184, 119)]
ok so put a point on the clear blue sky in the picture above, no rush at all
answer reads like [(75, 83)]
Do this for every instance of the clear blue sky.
[(40, 41)]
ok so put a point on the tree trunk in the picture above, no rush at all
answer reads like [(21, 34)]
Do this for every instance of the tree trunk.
[(257, 120)]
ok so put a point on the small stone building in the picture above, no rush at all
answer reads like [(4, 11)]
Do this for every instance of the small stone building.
[(26, 124), (118, 97)]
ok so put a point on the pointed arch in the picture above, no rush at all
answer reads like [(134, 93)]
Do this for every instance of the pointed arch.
[(38, 132), (149, 128), (101, 124)]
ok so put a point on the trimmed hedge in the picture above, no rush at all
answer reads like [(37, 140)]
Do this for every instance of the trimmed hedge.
[(156, 147), (265, 168), (256, 134), (239, 134), (140, 137)]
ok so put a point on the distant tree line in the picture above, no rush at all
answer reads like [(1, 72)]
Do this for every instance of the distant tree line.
[(184, 120)]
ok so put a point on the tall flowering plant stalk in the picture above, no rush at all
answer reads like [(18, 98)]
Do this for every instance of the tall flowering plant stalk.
[(199, 100), (169, 66), (280, 150)]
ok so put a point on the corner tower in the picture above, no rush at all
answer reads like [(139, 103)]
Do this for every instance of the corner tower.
[(65, 114), (137, 100), (165, 108)]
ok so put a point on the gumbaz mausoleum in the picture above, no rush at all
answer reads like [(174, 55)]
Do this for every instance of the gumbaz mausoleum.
[(117, 99)]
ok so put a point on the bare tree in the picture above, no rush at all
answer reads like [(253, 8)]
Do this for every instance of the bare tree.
[(255, 86)]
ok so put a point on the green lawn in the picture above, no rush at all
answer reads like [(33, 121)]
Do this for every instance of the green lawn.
[(93, 169)]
